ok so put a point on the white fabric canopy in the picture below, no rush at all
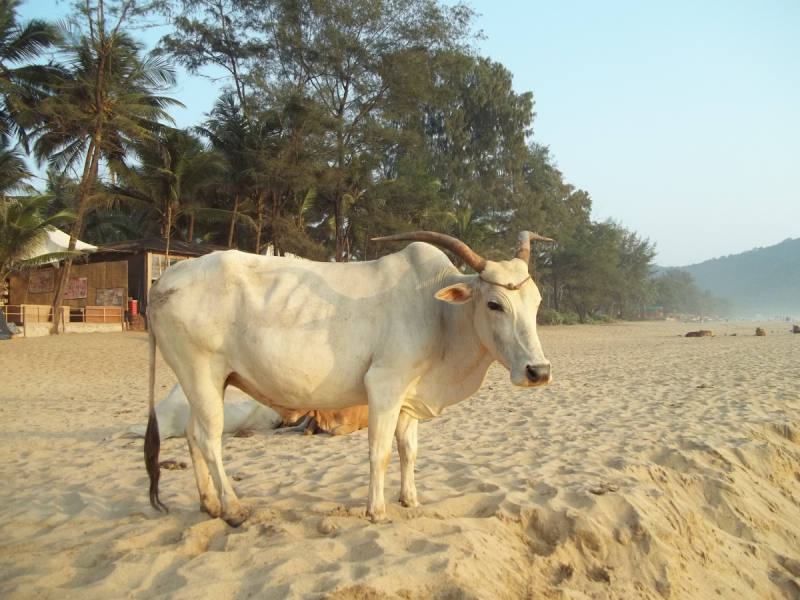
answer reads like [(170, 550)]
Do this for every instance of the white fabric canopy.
[(57, 241)]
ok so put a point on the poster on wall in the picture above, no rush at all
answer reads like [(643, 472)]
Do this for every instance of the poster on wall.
[(77, 287), (41, 282), (109, 297)]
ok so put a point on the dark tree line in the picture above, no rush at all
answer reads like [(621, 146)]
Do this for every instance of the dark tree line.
[(338, 121)]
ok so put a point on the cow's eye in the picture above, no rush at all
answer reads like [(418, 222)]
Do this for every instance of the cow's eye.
[(495, 306)]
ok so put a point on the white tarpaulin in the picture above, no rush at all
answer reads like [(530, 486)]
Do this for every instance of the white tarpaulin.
[(57, 241), (270, 251)]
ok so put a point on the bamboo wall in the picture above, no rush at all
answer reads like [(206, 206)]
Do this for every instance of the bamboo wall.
[(99, 276)]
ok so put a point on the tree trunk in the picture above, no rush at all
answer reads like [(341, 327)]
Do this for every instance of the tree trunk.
[(87, 182), (555, 294), (259, 216), (233, 220), (169, 230), (276, 208), (338, 208), (191, 227), (58, 300)]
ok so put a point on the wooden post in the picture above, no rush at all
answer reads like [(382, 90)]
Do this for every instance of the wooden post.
[(148, 260)]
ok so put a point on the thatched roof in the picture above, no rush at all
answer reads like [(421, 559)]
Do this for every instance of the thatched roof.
[(159, 245)]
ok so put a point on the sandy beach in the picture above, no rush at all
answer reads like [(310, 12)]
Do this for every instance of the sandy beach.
[(654, 466)]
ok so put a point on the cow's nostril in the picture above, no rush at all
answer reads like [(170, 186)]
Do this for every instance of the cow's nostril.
[(538, 374)]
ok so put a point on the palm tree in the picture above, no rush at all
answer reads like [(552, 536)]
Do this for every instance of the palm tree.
[(103, 108), (109, 223), (170, 182), (14, 173), (247, 144), (21, 86), (269, 164), (23, 228), (467, 227)]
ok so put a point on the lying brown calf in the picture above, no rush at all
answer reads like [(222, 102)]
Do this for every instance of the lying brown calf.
[(335, 422)]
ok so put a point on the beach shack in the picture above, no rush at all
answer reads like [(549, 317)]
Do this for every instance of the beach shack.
[(111, 281), (31, 292), (146, 260)]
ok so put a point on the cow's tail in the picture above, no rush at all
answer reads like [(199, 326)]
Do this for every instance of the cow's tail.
[(152, 439)]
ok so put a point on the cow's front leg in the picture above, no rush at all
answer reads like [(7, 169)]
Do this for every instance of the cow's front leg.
[(406, 435), (385, 398)]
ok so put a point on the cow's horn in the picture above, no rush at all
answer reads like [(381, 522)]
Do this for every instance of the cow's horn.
[(525, 238), (457, 247)]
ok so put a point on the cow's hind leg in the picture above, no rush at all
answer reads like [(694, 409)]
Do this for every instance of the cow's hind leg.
[(209, 502), (207, 421), (406, 435)]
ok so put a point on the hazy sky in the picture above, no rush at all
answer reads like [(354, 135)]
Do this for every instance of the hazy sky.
[(681, 118)]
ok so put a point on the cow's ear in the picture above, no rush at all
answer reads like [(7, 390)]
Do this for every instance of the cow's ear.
[(455, 294)]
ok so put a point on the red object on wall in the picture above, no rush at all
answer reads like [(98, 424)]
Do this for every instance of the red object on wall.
[(134, 307)]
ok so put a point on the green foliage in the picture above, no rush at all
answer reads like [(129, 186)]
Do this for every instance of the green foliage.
[(677, 292), (604, 266), (169, 183), (103, 103), (22, 84), (23, 230), (548, 316), (14, 174)]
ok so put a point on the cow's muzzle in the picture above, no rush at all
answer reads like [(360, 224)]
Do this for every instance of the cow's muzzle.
[(538, 374)]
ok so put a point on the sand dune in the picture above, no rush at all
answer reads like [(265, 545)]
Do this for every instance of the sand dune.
[(654, 466)]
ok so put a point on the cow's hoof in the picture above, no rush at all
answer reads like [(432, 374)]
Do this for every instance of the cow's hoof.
[(410, 503), (237, 519), (211, 513), (379, 519), (212, 509)]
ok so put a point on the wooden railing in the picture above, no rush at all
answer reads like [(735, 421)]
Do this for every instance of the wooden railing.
[(33, 313), (102, 314), (38, 313), (13, 313)]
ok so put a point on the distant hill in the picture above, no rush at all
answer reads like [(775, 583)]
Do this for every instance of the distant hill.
[(762, 281)]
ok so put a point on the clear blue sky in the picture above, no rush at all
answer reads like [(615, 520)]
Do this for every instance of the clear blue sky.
[(681, 118)]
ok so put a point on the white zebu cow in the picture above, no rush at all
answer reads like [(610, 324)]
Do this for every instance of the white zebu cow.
[(408, 335)]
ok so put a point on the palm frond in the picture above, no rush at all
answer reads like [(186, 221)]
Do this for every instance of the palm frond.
[(45, 259)]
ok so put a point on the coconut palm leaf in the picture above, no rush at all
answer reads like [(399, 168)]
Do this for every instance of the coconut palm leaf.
[(23, 228), (23, 86), (46, 259), (171, 181)]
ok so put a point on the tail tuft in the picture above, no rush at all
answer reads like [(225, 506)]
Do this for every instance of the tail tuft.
[(152, 448)]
